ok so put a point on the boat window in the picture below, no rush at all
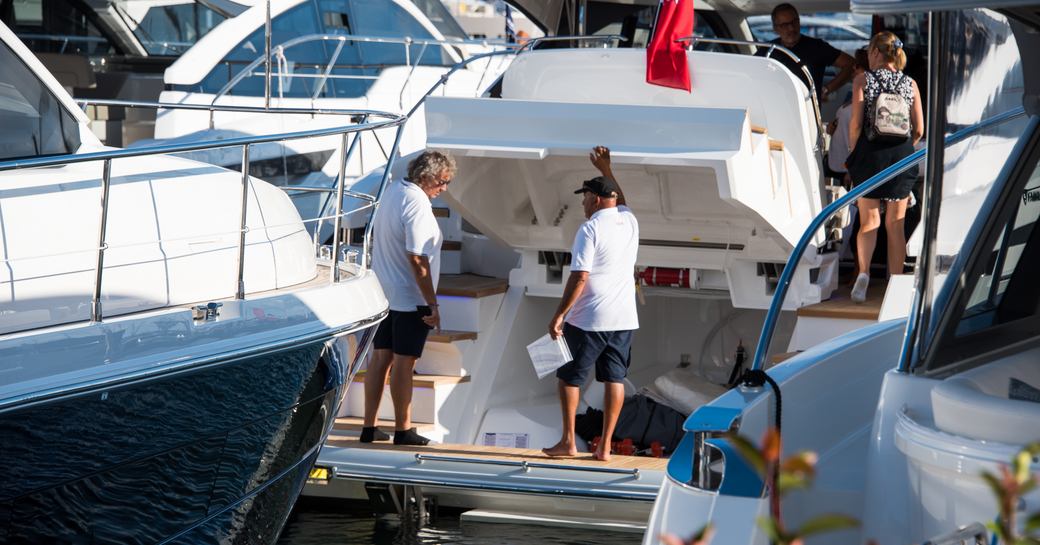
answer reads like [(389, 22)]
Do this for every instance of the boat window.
[(56, 26), (1006, 289), (34, 122), (300, 60), (299, 70), (170, 29), (441, 18)]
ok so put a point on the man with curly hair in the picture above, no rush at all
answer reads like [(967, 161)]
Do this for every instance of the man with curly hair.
[(406, 247)]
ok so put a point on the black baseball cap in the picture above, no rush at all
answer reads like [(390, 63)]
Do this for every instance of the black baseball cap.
[(600, 186)]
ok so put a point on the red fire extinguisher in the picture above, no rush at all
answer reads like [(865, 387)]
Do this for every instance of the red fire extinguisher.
[(666, 277)]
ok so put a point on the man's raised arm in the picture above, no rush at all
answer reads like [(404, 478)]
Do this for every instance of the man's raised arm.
[(600, 158)]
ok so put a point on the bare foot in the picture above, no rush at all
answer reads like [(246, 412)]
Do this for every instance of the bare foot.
[(561, 450), (602, 455)]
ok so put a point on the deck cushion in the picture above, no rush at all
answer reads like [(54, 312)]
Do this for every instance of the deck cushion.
[(977, 404)]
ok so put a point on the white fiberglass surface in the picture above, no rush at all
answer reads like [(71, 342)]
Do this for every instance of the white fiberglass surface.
[(171, 238)]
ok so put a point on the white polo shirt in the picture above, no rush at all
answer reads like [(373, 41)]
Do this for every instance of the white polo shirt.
[(606, 247), (404, 226)]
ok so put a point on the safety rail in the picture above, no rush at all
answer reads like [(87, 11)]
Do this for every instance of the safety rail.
[(535, 42), (325, 75), (382, 120), (769, 326), (771, 47), (525, 465)]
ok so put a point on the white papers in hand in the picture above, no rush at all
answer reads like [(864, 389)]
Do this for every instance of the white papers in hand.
[(548, 355)]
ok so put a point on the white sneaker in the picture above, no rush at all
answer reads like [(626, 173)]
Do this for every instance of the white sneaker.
[(859, 291)]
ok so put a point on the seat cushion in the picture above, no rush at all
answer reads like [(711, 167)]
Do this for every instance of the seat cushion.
[(976, 403)]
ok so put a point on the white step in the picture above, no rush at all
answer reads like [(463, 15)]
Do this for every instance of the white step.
[(428, 395)]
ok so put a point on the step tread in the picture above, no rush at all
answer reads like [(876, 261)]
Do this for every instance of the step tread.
[(441, 212), (471, 285), (451, 246), (840, 305), (425, 381), (355, 423), (450, 336)]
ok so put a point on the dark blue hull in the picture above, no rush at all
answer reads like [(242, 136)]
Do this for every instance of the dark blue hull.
[(216, 453)]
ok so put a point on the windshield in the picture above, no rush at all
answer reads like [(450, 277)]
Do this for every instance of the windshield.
[(441, 18), (984, 79), (34, 122), (168, 28)]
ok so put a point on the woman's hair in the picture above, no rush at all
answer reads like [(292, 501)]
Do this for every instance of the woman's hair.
[(430, 163), (861, 59), (890, 47)]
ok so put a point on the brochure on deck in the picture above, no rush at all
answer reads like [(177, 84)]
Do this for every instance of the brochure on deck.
[(548, 355)]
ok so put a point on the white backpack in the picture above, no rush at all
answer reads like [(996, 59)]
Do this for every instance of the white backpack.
[(890, 117)]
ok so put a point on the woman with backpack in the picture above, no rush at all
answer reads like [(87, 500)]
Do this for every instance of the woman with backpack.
[(887, 120)]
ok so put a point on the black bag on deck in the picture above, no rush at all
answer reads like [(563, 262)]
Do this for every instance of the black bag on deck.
[(642, 420)]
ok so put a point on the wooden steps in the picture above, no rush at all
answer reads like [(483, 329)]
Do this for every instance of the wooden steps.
[(353, 424), (451, 246), (507, 453), (441, 212), (448, 336), (425, 381), (470, 285), (840, 305)]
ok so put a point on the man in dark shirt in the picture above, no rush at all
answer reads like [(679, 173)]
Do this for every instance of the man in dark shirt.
[(816, 54)]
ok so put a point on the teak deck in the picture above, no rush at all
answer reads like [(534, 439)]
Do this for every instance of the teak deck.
[(840, 305), (470, 285), (506, 453)]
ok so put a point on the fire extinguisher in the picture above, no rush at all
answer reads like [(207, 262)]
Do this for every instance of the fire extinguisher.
[(666, 277)]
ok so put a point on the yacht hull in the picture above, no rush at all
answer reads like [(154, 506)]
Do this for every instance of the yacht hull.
[(216, 453)]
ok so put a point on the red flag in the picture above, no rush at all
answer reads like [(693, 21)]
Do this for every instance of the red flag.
[(665, 57)]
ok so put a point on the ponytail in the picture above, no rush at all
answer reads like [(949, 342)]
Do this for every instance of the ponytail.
[(890, 47)]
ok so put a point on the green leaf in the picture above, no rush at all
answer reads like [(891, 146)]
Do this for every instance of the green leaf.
[(749, 452), (1032, 523), (768, 525), (995, 485), (827, 523), (787, 482)]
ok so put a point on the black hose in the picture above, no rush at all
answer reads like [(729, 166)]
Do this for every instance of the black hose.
[(756, 378)]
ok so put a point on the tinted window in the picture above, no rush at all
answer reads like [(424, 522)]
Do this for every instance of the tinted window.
[(34, 121), (300, 70), (1011, 264), (171, 30), (56, 26), (441, 18)]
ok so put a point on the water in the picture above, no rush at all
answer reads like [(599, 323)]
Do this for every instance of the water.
[(331, 522)]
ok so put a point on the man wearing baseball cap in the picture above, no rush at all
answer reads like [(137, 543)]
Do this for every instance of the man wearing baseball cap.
[(597, 313)]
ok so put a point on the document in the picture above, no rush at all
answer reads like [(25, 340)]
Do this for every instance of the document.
[(548, 355)]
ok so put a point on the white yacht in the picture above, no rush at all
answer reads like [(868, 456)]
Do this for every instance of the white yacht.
[(319, 55), (172, 350), (724, 181), (905, 415)]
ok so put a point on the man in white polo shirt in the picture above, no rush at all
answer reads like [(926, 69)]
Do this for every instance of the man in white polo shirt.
[(406, 249), (597, 313)]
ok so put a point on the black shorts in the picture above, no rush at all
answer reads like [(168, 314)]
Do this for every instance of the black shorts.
[(609, 351), (403, 332)]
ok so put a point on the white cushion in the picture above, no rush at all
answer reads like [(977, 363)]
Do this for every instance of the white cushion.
[(975, 403)]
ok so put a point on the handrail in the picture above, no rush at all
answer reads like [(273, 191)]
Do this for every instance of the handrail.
[(535, 42), (693, 40), (406, 41), (384, 120), (525, 465), (769, 326)]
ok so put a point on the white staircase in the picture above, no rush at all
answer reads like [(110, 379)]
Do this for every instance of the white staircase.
[(469, 304)]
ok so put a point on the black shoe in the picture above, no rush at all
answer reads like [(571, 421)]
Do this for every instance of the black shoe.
[(409, 437), (373, 434)]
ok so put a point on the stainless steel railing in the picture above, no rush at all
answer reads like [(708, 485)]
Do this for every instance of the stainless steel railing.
[(769, 326), (363, 120), (277, 52)]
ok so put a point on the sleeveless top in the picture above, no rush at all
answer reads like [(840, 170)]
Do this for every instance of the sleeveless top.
[(885, 81)]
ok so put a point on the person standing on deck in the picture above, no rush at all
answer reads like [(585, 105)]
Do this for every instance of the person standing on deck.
[(406, 258), (597, 314), (814, 53)]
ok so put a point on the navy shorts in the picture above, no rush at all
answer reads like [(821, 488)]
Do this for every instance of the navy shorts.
[(609, 351), (403, 332)]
